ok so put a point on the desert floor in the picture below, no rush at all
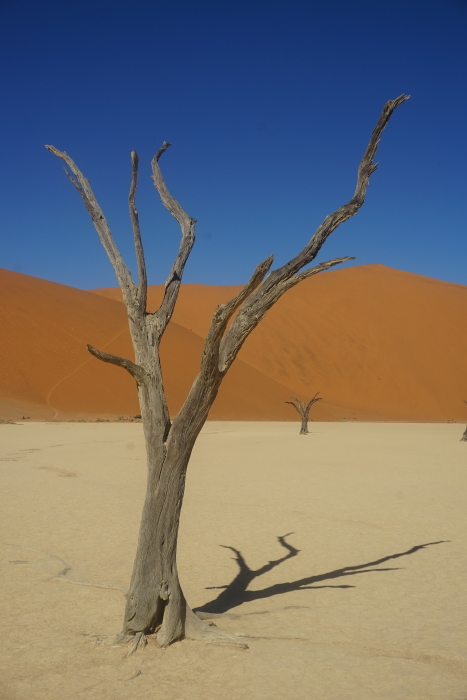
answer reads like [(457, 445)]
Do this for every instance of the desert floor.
[(373, 605)]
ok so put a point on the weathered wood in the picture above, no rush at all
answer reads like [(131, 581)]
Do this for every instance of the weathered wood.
[(140, 261), (282, 279), (187, 224), (84, 188), (155, 601), (137, 372), (252, 313), (304, 410)]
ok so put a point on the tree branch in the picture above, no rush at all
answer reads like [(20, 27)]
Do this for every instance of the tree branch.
[(206, 384), (279, 281), (298, 405), (84, 188), (301, 408), (137, 372), (224, 313), (142, 277), (313, 400), (255, 310), (187, 224), (331, 222)]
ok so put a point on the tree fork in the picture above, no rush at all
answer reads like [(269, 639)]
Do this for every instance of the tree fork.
[(304, 410), (155, 602)]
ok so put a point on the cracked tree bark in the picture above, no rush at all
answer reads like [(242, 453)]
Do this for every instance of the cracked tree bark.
[(304, 410), (155, 601)]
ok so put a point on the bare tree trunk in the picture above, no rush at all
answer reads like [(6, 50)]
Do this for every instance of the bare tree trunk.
[(155, 602), (304, 410), (464, 434)]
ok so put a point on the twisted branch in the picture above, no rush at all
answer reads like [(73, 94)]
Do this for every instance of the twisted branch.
[(331, 222), (279, 281), (187, 224)]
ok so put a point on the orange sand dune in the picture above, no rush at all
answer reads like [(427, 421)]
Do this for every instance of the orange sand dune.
[(379, 344), (46, 371)]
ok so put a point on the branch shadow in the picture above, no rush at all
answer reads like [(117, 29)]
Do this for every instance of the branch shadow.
[(236, 592)]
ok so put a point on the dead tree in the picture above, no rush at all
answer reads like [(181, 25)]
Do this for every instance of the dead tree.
[(304, 410), (464, 434), (155, 601)]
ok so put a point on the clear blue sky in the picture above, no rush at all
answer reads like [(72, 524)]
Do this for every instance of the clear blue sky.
[(269, 105)]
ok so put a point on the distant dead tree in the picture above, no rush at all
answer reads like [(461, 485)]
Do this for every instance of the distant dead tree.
[(464, 434), (155, 602), (304, 410)]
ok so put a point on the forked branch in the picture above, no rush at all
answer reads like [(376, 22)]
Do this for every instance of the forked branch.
[(313, 400), (279, 281), (301, 406), (251, 314), (331, 222), (224, 313), (304, 410), (135, 298)]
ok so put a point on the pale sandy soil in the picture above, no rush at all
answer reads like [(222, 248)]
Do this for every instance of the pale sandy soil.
[(374, 604)]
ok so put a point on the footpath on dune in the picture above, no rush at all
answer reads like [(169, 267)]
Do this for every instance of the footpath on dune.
[(377, 343)]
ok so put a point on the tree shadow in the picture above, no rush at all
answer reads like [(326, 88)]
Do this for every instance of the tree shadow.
[(237, 591)]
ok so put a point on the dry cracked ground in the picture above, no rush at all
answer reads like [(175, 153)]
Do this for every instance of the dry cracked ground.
[(340, 556)]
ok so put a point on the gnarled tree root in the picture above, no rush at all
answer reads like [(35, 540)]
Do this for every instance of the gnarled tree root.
[(196, 628), (139, 640), (192, 627)]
